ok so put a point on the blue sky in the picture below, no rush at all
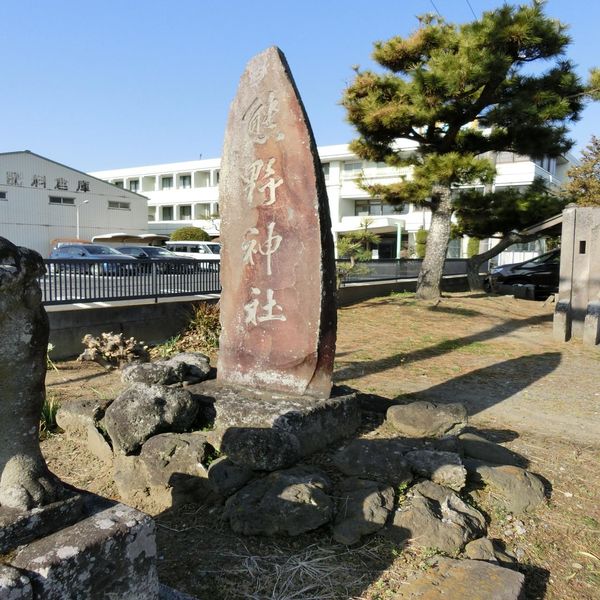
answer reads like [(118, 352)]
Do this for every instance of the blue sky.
[(106, 84)]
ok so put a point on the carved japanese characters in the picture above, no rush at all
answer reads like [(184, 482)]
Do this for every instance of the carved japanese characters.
[(277, 263), (25, 481)]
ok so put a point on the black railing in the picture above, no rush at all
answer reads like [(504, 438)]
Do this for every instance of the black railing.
[(394, 268), (71, 281)]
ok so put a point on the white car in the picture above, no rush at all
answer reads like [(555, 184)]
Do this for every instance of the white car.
[(198, 250)]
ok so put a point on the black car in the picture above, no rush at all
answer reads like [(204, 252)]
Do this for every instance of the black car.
[(542, 272), (96, 259), (166, 261)]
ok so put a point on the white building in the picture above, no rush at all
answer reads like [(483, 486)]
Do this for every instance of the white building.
[(42, 201), (187, 193)]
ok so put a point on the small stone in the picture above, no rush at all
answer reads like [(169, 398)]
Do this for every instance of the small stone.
[(141, 411), (261, 449), (488, 550), (476, 446), (362, 508), (225, 477), (462, 579), (381, 460), (444, 468), (188, 367), (288, 502), (425, 419)]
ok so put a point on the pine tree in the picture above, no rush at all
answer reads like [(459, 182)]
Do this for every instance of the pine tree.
[(583, 185), (457, 92)]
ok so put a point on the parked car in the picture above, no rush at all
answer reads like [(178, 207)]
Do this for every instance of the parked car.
[(167, 261), (196, 249), (542, 272), (99, 260)]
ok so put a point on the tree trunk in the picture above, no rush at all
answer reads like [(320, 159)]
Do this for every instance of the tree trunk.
[(430, 276), (473, 263)]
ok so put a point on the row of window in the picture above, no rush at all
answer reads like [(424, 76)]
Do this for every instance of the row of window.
[(186, 212), (70, 201), (166, 182)]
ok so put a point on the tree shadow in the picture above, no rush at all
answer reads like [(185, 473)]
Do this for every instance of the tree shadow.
[(402, 358)]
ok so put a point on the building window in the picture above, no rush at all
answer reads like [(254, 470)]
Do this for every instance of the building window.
[(217, 177), (185, 212), (119, 184), (134, 185), (377, 208), (151, 213), (166, 183), (325, 167), (353, 168), (119, 205), (547, 163), (62, 200), (2, 195), (185, 181), (167, 213)]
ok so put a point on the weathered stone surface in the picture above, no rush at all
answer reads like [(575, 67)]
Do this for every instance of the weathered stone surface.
[(25, 481), (287, 502), (362, 507), (190, 367), (142, 411), (462, 579), (476, 446), (261, 449), (315, 423), (278, 309), (110, 554), (167, 593), (486, 549), (516, 489), (19, 527), (225, 478), (14, 585), (79, 419), (381, 460), (435, 517), (444, 468), (425, 419), (169, 456), (168, 472)]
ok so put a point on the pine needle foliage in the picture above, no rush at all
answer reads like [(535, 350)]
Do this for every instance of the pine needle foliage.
[(459, 93), (583, 185)]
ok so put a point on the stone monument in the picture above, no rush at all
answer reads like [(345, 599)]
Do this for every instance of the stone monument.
[(278, 310), (63, 544), (273, 396)]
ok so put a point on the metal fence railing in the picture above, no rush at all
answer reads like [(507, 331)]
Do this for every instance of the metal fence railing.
[(70, 281), (395, 268)]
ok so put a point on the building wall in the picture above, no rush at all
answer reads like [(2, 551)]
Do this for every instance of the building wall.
[(31, 215)]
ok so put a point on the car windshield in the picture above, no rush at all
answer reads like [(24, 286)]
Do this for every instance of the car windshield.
[(552, 257), (214, 248)]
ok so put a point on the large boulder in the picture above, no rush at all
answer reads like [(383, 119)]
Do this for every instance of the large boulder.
[(226, 478), (362, 508), (433, 516), (489, 550), (288, 502), (188, 367), (142, 411), (444, 468), (427, 420), (462, 579), (381, 460), (516, 489)]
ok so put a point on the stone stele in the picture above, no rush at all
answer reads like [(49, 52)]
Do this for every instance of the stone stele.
[(278, 309)]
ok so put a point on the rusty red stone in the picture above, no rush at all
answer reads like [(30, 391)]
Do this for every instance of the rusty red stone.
[(278, 309)]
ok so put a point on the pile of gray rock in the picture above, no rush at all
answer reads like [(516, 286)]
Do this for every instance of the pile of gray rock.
[(166, 435)]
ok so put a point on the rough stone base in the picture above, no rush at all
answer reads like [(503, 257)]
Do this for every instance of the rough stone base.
[(307, 424), (109, 554), (561, 323), (21, 527), (591, 325)]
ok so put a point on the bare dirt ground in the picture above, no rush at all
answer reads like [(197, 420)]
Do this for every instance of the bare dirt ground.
[(496, 354)]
